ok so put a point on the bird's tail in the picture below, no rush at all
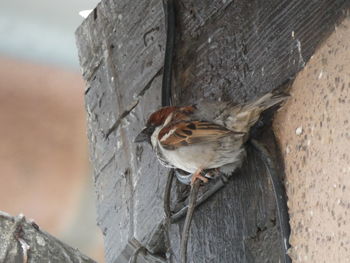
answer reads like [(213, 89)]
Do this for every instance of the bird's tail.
[(272, 98), (267, 101), (246, 115)]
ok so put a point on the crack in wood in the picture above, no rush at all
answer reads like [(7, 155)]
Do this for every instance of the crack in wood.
[(117, 123)]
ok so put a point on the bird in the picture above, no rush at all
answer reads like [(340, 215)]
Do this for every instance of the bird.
[(206, 135)]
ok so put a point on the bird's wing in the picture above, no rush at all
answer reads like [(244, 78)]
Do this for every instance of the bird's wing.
[(186, 133)]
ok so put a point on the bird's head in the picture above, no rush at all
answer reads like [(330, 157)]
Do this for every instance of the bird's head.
[(156, 119)]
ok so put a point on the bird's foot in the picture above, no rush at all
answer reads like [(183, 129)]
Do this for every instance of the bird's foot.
[(197, 175)]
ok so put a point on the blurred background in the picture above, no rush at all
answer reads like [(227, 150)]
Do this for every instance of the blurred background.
[(44, 164)]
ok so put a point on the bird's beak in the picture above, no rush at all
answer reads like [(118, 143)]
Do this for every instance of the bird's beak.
[(145, 135)]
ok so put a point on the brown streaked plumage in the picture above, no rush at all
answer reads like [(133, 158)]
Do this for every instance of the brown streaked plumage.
[(206, 135)]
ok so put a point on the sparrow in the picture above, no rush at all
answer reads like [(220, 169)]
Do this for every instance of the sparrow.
[(206, 135)]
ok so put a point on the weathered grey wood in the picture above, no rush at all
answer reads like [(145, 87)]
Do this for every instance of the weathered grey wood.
[(23, 241), (237, 50), (229, 50), (121, 48)]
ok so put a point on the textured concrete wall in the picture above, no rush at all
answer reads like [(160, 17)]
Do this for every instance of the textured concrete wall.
[(314, 132)]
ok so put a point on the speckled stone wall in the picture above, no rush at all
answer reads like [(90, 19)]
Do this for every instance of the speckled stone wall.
[(314, 132)]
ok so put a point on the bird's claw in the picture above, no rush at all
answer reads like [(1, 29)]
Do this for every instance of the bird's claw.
[(197, 175)]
